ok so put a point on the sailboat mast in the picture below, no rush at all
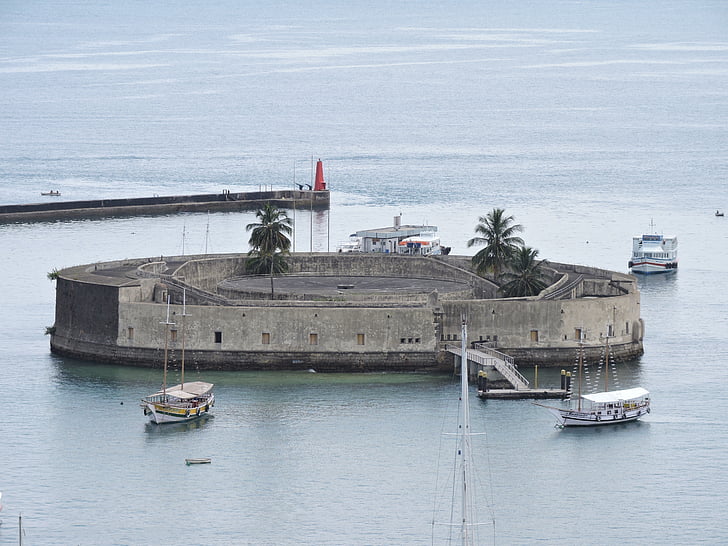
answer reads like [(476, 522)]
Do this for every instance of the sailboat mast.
[(166, 349), (184, 323), (606, 366), (581, 365), (465, 448)]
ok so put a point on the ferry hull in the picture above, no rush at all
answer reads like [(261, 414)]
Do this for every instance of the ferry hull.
[(647, 268), (572, 418)]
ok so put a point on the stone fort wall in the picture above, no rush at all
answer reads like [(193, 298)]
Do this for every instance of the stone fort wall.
[(111, 312)]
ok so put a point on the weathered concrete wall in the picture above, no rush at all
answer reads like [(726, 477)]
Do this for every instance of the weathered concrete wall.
[(86, 312), (261, 337), (112, 312), (547, 332)]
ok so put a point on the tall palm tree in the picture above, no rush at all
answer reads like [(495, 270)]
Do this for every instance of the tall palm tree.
[(498, 233), (269, 242), (525, 277)]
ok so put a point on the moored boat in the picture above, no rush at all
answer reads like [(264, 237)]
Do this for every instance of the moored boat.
[(602, 408), (204, 460), (53, 193), (183, 402), (426, 243), (352, 245), (653, 253)]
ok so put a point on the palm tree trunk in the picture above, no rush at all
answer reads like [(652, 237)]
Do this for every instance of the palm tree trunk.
[(272, 295)]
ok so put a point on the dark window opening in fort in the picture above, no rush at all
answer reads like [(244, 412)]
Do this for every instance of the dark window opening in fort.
[(454, 337), (409, 340), (417, 340), (130, 333), (448, 337), (534, 335), (265, 338), (480, 338), (402, 340), (173, 335), (610, 330), (313, 339), (626, 327), (495, 339), (360, 339), (218, 337), (577, 334)]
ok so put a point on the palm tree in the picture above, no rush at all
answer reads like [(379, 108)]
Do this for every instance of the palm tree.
[(525, 277), (269, 242), (498, 233)]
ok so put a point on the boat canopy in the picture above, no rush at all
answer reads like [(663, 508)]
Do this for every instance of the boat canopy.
[(617, 396), (181, 395), (193, 388)]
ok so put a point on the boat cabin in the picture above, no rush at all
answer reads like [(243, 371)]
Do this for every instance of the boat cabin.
[(400, 239)]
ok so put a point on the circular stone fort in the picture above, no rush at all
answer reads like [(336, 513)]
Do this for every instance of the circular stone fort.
[(335, 312)]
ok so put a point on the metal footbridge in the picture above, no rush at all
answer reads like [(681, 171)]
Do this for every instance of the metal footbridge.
[(503, 364), (484, 357)]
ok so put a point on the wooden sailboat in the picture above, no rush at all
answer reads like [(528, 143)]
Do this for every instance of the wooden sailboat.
[(183, 402), (602, 408)]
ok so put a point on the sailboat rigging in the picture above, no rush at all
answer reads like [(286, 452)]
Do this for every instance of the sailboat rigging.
[(464, 481), (183, 402)]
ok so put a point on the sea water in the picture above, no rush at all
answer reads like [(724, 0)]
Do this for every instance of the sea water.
[(585, 120)]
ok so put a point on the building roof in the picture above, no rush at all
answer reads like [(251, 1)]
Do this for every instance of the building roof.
[(395, 232)]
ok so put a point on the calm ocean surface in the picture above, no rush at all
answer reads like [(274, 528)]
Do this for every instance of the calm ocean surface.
[(584, 119)]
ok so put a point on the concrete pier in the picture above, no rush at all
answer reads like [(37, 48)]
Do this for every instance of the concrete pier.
[(522, 394), (223, 201)]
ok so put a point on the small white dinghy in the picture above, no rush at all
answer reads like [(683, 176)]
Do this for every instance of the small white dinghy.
[(204, 460)]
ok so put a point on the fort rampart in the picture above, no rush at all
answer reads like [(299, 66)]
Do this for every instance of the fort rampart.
[(112, 312)]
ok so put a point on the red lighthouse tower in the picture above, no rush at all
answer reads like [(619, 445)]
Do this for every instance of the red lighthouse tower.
[(319, 185)]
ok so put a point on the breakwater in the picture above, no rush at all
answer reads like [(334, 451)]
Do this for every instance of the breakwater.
[(159, 205)]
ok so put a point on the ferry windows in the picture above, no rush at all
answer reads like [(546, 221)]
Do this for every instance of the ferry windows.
[(130, 333), (313, 339), (265, 338), (360, 339), (534, 335), (218, 337), (173, 335)]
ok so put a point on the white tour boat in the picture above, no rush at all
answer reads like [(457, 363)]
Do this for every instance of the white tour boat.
[(183, 402), (653, 253), (602, 408)]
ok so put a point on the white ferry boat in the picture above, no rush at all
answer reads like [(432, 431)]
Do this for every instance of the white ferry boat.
[(653, 254)]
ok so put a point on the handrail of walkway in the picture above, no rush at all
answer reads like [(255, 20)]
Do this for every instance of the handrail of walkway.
[(486, 356)]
